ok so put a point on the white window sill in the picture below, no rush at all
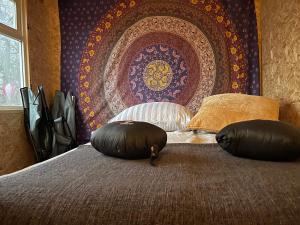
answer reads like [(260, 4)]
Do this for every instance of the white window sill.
[(10, 109)]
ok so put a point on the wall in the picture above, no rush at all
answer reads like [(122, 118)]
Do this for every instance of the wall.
[(44, 57), (15, 151), (281, 55), (44, 45)]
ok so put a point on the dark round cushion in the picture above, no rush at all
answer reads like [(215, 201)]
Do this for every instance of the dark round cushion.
[(129, 139), (261, 139)]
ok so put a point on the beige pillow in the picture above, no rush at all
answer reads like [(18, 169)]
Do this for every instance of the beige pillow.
[(218, 111)]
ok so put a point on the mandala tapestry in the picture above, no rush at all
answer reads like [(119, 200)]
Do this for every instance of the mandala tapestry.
[(119, 53)]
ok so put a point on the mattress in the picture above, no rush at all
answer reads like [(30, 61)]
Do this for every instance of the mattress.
[(191, 184)]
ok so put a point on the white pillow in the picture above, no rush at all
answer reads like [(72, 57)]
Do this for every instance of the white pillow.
[(166, 115)]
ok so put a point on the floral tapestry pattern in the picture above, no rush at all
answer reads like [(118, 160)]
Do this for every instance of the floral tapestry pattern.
[(116, 54)]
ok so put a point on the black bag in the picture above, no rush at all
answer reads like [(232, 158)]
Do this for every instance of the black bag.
[(63, 113), (129, 140), (38, 122), (261, 140), (49, 137)]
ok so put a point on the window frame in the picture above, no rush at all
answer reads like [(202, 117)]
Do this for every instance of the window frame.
[(19, 34)]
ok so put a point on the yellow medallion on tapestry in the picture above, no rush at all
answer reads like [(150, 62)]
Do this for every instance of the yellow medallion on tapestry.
[(158, 75)]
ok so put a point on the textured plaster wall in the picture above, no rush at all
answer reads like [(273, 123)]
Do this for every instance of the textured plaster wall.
[(44, 58), (44, 45), (281, 55), (15, 151)]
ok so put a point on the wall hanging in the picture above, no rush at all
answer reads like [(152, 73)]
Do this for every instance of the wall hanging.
[(116, 54)]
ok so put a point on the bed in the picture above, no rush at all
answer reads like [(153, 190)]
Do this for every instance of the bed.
[(190, 184)]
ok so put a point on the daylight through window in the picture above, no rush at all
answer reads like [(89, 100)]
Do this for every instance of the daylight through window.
[(12, 45)]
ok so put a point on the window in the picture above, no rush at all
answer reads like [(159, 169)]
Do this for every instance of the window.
[(13, 68)]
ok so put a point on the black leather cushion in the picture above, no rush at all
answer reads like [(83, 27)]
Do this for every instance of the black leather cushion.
[(261, 139), (129, 139)]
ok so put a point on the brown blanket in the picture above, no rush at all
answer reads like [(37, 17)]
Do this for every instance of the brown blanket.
[(191, 184)]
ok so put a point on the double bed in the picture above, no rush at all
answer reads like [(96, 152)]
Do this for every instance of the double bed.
[(194, 182)]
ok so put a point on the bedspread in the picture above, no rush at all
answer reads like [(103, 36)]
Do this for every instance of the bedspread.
[(191, 184)]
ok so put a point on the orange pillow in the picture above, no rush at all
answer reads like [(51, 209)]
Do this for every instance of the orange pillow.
[(218, 111)]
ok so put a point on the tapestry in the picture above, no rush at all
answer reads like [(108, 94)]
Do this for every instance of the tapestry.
[(119, 53)]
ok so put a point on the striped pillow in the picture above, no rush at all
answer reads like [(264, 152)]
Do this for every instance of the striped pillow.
[(166, 115)]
